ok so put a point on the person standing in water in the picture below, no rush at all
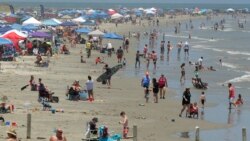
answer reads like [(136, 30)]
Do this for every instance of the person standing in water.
[(183, 77), (231, 96), (202, 99), (186, 98), (186, 49), (137, 59)]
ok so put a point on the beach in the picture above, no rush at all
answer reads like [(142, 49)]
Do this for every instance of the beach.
[(155, 122)]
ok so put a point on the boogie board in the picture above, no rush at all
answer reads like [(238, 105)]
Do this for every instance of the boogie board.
[(104, 76)]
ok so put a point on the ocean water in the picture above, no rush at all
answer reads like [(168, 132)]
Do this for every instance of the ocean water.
[(232, 46), (130, 5)]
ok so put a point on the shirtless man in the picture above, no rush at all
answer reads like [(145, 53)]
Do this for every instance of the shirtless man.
[(124, 122), (59, 136)]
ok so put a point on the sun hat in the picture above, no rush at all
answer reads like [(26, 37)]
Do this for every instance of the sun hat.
[(12, 132)]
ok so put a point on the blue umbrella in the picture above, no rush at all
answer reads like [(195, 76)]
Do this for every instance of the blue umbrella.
[(16, 26), (68, 24), (29, 27), (4, 41), (83, 30)]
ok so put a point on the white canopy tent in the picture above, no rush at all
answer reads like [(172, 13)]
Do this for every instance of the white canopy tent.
[(32, 21), (79, 20), (116, 16), (96, 33)]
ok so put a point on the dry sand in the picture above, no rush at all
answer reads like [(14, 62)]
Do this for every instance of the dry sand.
[(154, 121)]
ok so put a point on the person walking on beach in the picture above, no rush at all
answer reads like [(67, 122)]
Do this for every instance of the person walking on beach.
[(119, 54), (89, 88), (186, 98), (137, 59), (183, 77), (59, 136), (202, 99), (124, 122), (126, 44), (155, 89), (108, 73), (109, 47), (162, 82), (145, 50), (231, 96), (162, 49)]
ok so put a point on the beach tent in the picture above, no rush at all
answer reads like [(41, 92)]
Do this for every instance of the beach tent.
[(91, 11), (116, 16), (5, 29), (112, 36), (96, 33), (15, 36), (4, 41), (16, 26), (140, 9), (66, 17), (29, 27), (89, 23), (67, 23), (51, 22), (83, 30), (40, 35), (79, 20), (32, 21), (230, 10)]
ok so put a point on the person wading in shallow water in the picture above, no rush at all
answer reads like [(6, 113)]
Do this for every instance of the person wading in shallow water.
[(186, 98)]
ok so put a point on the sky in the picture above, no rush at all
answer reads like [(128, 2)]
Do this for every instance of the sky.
[(143, 1)]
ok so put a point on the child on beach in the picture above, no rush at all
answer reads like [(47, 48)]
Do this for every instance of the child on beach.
[(239, 101), (194, 110), (202, 99), (147, 93), (124, 62), (124, 122)]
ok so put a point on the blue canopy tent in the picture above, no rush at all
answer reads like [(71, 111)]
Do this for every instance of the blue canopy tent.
[(68, 24), (83, 30), (5, 29), (89, 22), (16, 26), (40, 35), (50, 22), (29, 27), (112, 36), (4, 41)]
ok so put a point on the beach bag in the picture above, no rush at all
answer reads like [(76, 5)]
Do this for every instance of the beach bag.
[(162, 81)]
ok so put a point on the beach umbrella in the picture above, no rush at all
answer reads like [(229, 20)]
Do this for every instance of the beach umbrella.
[(39, 35), (96, 33), (4, 41), (83, 30), (67, 23)]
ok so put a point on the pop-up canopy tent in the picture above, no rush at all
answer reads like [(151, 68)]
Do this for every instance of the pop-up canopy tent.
[(32, 21), (112, 36), (96, 33), (68, 24), (15, 36), (79, 20), (4, 41), (83, 30), (51, 22), (39, 35)]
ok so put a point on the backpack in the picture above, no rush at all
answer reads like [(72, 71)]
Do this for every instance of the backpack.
[(162, 81)]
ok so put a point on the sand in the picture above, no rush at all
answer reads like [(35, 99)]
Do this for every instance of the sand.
[(154, 121)]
